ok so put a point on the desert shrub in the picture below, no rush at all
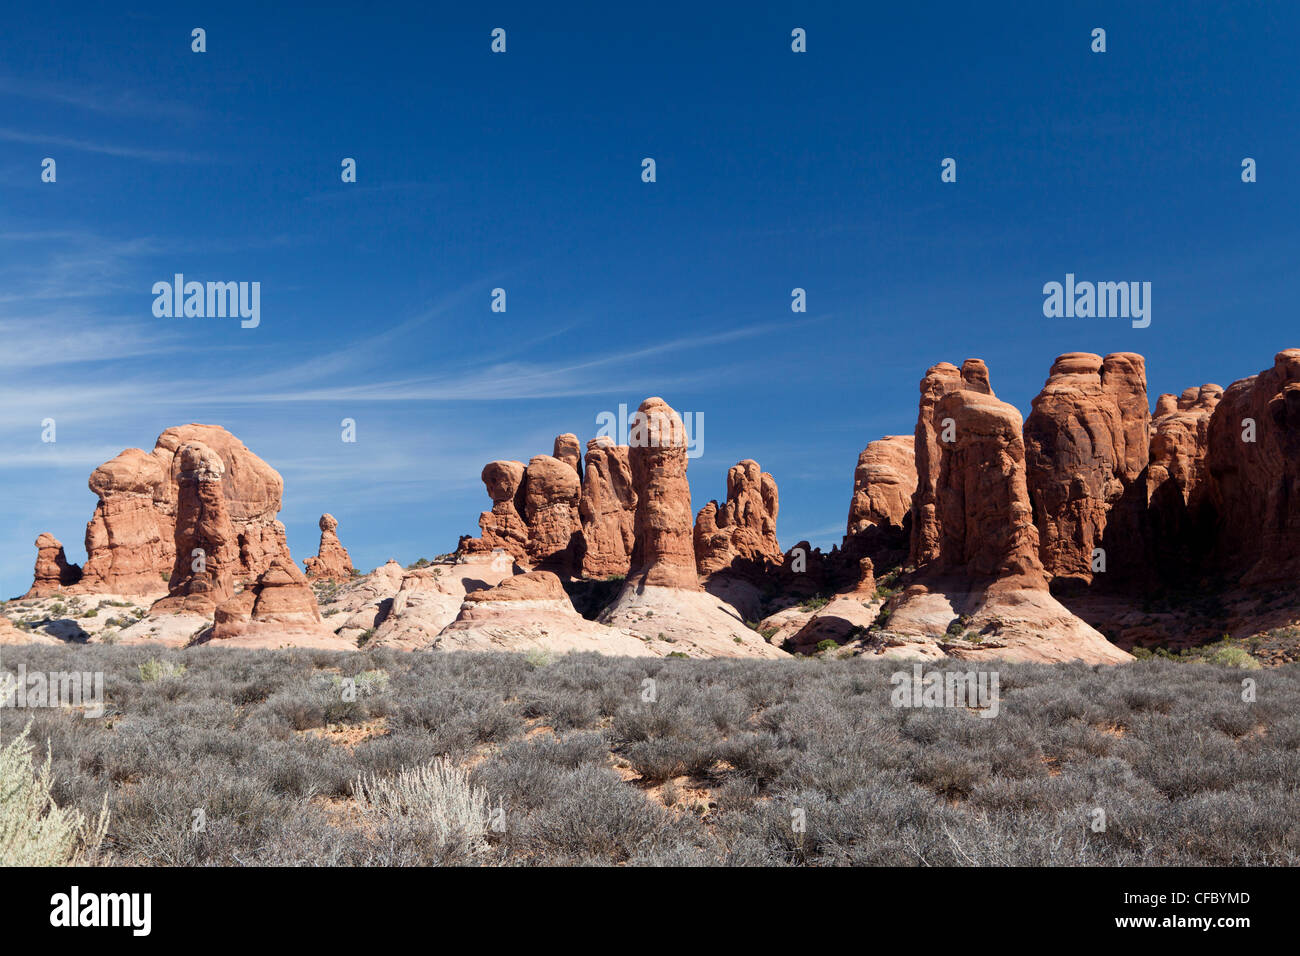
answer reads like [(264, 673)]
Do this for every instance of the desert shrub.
[(665, 757), (951, 775), (34, 830), (434, 802), (1186, 772), (592, 816), (154, 669), (757, 755), (562, 710), (887, 584), (457, 718), (528, 771), (537, 658), (1231, 656)]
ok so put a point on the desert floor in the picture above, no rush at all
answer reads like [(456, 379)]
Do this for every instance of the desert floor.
[(217, 756)]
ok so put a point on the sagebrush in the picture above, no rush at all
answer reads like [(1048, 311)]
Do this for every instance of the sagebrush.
[(584, 766)]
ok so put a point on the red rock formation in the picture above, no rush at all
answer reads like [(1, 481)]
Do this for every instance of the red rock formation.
[(531, 586), (866, 583), (1255, 485), (986, 527), (1179, 441), (712, 544), (664, 553), (130, 539), (975, 376), (741, 533), (1179, 524), (986, 576), (939, 381), (532, 611), (207, 556), (883, 484), (428, 599), (278, 610), (260, 546), (607, 509), (332, 561), (1086, 444), (551, 494), (53, 572), (567, 450), (1124, 379), (502, 527)]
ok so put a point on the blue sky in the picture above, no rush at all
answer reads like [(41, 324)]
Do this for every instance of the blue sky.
[(522, 170)]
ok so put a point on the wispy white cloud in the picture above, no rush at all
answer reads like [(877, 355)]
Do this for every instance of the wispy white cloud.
[(107, 149), (65, 337), (36, 455), (44, 266), (499, 381), (98, 100)]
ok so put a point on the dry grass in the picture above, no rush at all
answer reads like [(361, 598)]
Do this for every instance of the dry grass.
[(584, 771)]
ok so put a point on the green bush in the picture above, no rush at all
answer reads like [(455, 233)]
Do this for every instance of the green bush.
[(154, 669), (34, 830), (1232, 656)]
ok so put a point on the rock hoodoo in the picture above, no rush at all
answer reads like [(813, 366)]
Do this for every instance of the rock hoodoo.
[(206, 544), (980, 589), (553, 513), (967, 522), (1179, 527), (883, 484), (880, 511), (607, 509), (332, 561), (567, 450), (130, 539), (551, 493), (663, 553), (53, 572), (939, 381), (278, 610), (986, 527), (740, 534), (503, 527), (1253, 461), (1086, 445)]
